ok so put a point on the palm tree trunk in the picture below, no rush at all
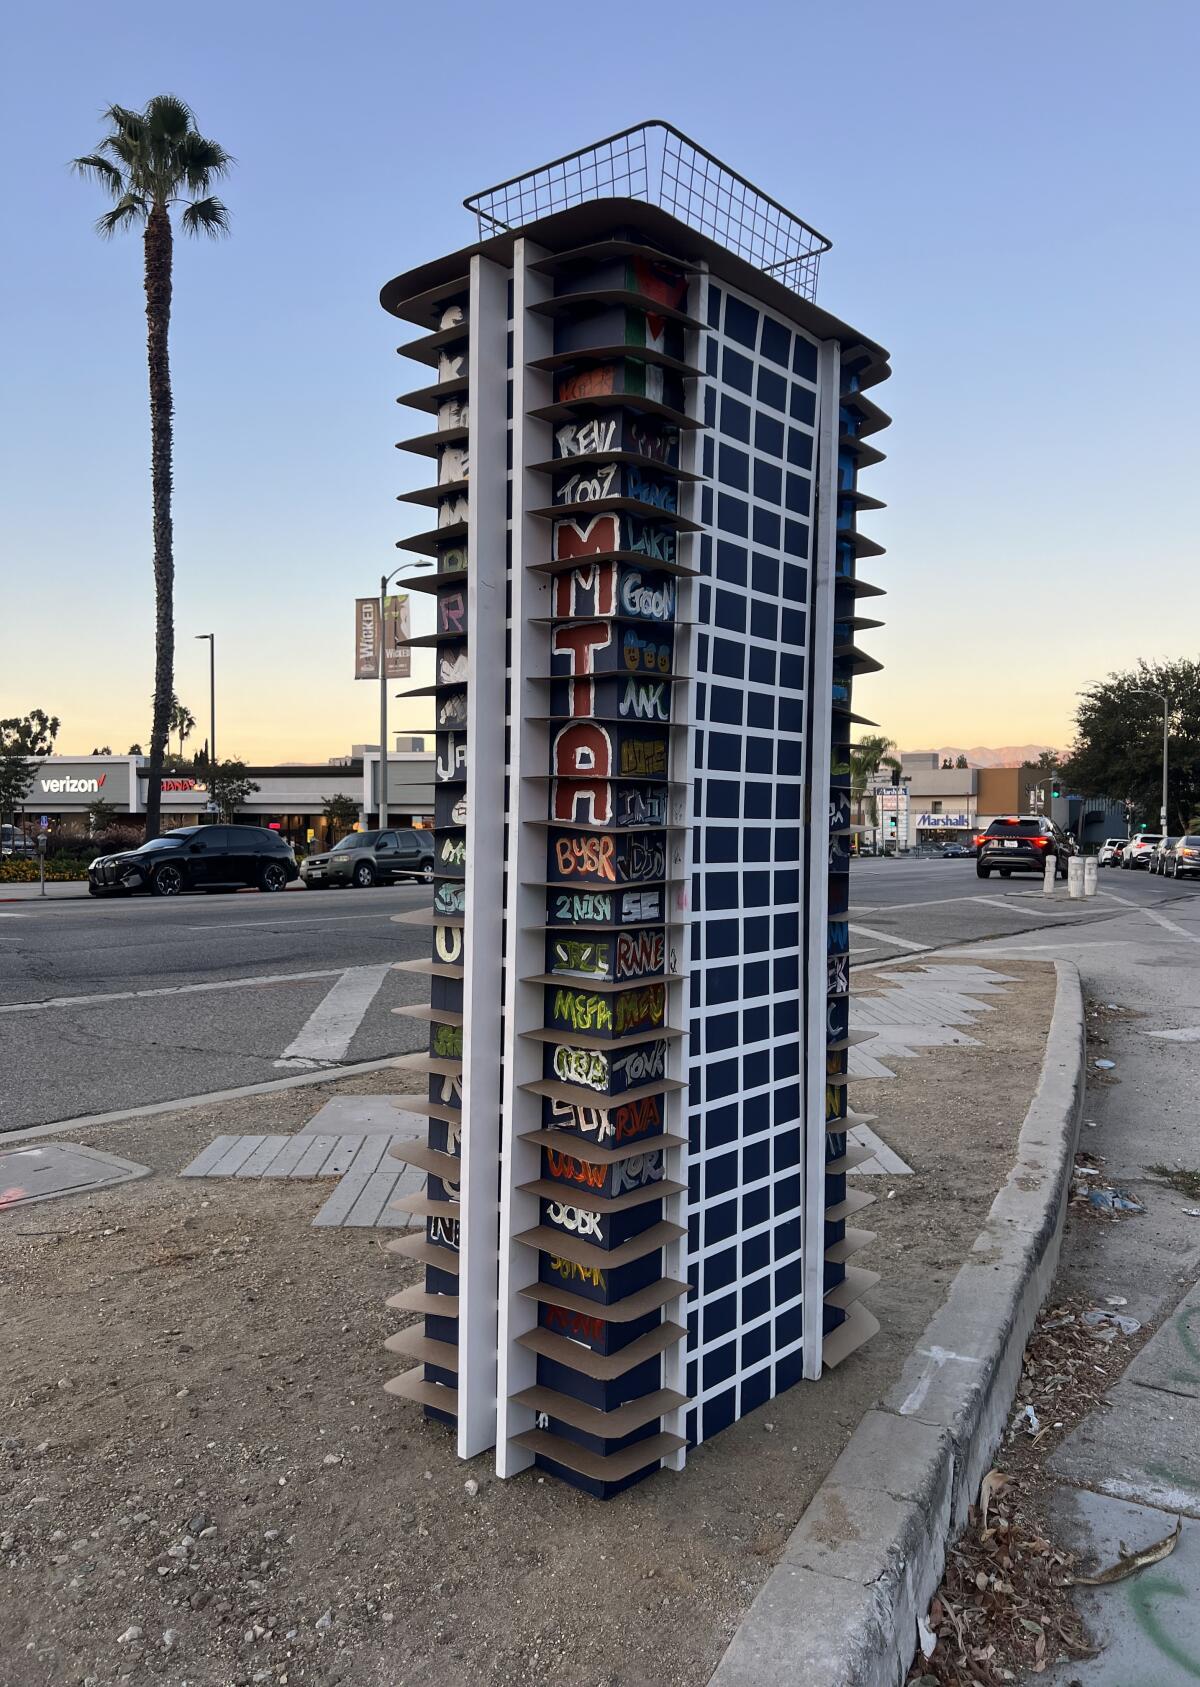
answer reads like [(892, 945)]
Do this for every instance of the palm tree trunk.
[(158, 322)]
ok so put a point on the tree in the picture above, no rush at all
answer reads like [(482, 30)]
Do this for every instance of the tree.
[(339, 813), (25, 742), (866, 758), (229, 786), (1118, 746), (1048, 761), (101, 815), (182, 721), (946, 762), (135, 750), (961, 761), (104, 750), (148, 162)]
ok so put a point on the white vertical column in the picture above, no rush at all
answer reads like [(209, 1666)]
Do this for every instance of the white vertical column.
[(816, 821), (529, 748), (486, 566)]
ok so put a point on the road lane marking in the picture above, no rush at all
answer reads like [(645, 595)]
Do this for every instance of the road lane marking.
[(183, 1103), (330, 1028), (1189, 1034), (887, 937), (168, 990), (1169, 925), (256, 926)]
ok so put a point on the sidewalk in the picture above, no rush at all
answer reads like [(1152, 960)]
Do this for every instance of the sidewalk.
[(76, 890)]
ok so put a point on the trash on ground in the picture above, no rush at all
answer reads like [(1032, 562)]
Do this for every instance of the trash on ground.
[(926, 1637), (1030, 1418), (1115, 1300), (1128, 1562), (1191, 1212), (1104, 1065), (1114, 1200), (991, 1485), (1098, 1318)]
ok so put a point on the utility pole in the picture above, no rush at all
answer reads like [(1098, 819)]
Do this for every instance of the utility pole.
[(212, 701), (1165, 699)]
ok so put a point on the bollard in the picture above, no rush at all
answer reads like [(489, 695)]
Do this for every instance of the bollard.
[(1091, 873), (1075, 877), (1048, 877)]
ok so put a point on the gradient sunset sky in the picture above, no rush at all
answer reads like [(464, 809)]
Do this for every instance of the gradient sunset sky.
[(1011, 191)]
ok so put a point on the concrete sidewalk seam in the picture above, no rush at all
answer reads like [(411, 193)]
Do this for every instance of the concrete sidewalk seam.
[(864, 1561)]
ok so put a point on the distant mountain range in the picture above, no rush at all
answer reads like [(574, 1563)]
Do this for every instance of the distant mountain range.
[(1008, 755)]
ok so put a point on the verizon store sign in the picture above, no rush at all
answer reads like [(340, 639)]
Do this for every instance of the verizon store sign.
[(63, 783)]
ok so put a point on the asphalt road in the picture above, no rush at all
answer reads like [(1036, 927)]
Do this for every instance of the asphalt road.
[(112, 1005), (900, 906), (108, 1005)]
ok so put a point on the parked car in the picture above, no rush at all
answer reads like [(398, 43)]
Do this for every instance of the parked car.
[(197, 858), (1138, 851), (1022, 843), (1158, 856), (1109, 853), (953, 851), (1183, 858), (369, 858)]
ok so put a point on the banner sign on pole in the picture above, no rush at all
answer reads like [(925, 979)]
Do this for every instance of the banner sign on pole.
[(366, 638), (397, 655)]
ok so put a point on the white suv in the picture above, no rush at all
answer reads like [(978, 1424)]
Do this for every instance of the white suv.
[(1107, 856), (1139, 850)]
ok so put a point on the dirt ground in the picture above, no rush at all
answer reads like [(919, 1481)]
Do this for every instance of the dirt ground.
[(202, 1483)]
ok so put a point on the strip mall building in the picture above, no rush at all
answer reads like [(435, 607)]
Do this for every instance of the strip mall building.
[(290, 796)]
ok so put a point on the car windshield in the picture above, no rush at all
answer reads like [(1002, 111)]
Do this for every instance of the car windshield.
[(1149, 838), (356, 840), (166, 842), (1016, 829)]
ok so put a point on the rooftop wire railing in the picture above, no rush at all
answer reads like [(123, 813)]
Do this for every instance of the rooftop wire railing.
[(656, 163)]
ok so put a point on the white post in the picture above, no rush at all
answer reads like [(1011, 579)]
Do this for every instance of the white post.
[(1090, 875), (1075, 877), (1048, 877)]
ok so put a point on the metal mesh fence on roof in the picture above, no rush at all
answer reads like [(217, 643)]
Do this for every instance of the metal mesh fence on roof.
[(656, 163)]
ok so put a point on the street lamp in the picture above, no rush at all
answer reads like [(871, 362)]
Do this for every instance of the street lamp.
[(384, 582), (1165, 700), (212, 697)]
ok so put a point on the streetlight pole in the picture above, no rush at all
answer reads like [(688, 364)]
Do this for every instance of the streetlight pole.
[(1165, 699), (212, 699)]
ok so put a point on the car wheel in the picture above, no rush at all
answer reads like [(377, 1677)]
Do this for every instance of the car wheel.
[(982, 872), (364, 875), (94, 890), (273, 876), (426, 873), (168, 881)]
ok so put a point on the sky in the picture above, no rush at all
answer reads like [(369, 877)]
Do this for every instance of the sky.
[(1010, 191)]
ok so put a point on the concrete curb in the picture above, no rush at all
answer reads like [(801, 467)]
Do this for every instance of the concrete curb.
[(840, 1608)]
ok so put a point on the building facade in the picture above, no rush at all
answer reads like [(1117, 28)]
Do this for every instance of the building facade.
[(290, 797), (645, 442)]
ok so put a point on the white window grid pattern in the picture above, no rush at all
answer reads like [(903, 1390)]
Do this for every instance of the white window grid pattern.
[(777, 1271)]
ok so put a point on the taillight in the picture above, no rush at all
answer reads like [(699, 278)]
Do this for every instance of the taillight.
[(1040, 843), (980, 840)]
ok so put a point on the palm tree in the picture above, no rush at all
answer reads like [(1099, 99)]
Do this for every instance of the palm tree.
[(866, 758), (148, 162), (182, 721)]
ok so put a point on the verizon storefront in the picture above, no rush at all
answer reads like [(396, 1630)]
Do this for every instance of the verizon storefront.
[(289, 798)]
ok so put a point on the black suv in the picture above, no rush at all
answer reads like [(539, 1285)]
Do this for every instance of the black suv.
[(370, 858), (1022, 844), (197, 858)]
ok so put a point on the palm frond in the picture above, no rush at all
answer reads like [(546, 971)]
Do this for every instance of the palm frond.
[(101, 170), (130, 209), (206, 216), (201, 161), (168, 119), (130, 124)]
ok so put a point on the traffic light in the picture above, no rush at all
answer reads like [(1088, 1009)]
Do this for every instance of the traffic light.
[(895, 776), (1142, 827), (1056, 789)]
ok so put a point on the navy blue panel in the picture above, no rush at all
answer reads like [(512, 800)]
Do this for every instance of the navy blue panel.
[(789, 1326), (714, 306), (720, 1317), (787, 887), (768, 481), (723, 1125), (733, 514), (800, 449), (803, 404), (768, 434), (787, 1060), (721, 1032), (726, 705), (722, 937), (763, 664), (756, 1300), (756, 1208), (720, 1175), (795, 582), (772, 389), (756, 804), (720, 1079), (799, 489), (706, 505), (787, 797), (756, 1069), (760, 710), (756, 1024), (756, 844), (735, 418), (756, 1160), (722, 800), (756, 1253), (789, 1371), (776, 342), (731, 612), (728, 659), (710, 406), (709, 453), (719, 1365), (795, 538), (787, 931), (720, 843), (710, 356), (758, 755), (756, 979), (734, 467), (720, 1269), (756, 1389), (731, 562), (717, 1413), (765, 526), (741, 322), (766, 574), (756, 887), (787, 1149), (737, 371), (804, 359)]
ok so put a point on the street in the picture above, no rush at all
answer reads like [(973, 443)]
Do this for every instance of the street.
[(899, 906), (118, 1004)]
